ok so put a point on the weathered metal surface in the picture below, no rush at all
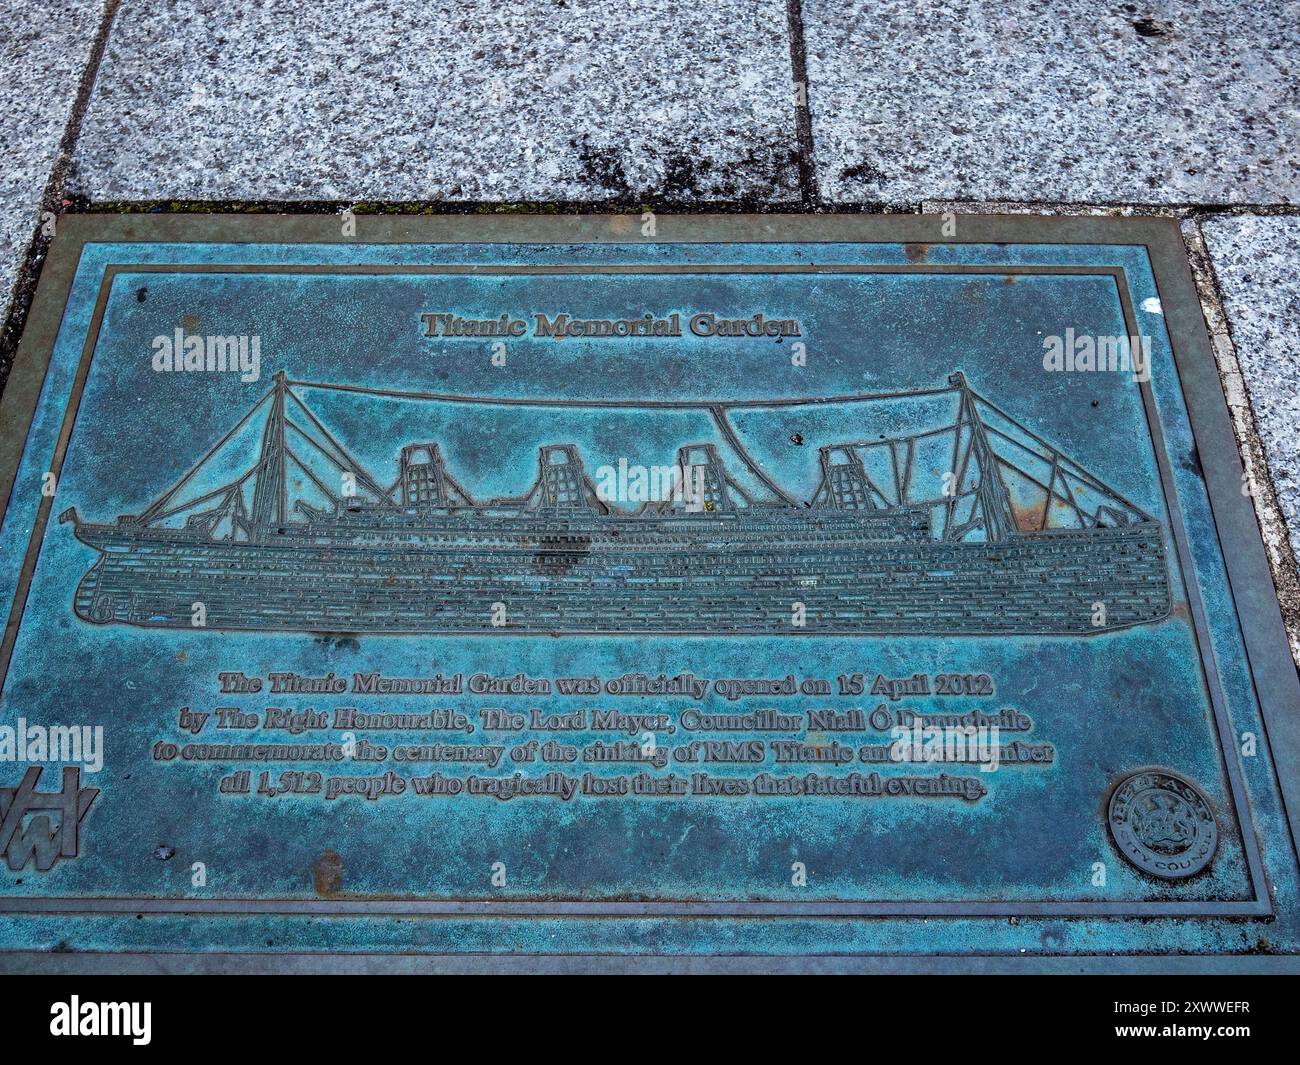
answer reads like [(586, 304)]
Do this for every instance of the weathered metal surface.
[(583, 590)]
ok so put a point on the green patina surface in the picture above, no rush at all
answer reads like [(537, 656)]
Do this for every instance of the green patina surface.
[(1184, 673)]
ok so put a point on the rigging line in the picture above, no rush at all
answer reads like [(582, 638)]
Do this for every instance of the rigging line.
[(736, 487), (1047, 496), (595, 496), (1039, 484), (959, 473), (910, 451), (1054, 454), (1069, 494), (226, 488), (1078, 470), (464, 495), (1069, 468), (338, 462), (163, 499), (1091, 482), (314, 479), (1051, 456), (724, 426), (345, 464), (442, 397), (898, 473), (946, 533), (993, 497), (901, 438), (356, 467), (343, 467)]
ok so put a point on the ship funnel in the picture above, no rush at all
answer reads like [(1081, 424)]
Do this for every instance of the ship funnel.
[(423, 476), (561, 478), (703, 471), (844, 478)]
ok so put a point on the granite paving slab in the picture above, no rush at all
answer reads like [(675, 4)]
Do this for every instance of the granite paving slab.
[(483, 100), (1255, 262), (1047, 100), (44, 47)]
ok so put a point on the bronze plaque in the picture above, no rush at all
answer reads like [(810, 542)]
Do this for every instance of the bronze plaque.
[(537, 592)]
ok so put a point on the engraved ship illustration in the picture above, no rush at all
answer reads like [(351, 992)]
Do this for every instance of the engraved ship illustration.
[(1019, 539)]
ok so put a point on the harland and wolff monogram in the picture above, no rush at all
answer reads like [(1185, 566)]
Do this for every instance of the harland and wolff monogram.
[(54, 828), (1015, 538)]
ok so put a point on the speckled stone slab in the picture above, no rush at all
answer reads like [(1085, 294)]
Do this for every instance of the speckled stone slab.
[(43, 49), (1256, 259), (478, 101), (1043, 100)]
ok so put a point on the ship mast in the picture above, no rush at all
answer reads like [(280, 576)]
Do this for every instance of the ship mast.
[(994, 499), (270, 492)]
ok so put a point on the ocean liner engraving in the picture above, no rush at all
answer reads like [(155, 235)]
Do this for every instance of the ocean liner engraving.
[(1014, 538)]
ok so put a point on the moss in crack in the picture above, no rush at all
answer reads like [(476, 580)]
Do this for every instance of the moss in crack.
[(864, 172), (766, 173), (602, 167), (683, 174)]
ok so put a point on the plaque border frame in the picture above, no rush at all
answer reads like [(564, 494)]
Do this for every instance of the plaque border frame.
[(1253, 596)]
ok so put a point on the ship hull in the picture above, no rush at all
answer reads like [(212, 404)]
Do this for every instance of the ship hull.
[(803, 575)]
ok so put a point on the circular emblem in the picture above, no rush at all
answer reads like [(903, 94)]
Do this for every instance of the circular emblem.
[(1163, 824)]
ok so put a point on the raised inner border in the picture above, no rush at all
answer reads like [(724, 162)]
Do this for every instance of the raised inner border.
[(1259, 616)]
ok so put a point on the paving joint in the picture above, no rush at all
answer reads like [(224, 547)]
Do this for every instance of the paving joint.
[(802, 113), (53, 203), (1258, 481)]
